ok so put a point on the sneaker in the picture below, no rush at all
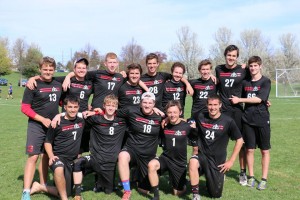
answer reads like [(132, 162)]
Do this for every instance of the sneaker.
[(251, 182), (25, 196), (243, 179), (262, 185), (126, 195), (196, 197), (78, 198)]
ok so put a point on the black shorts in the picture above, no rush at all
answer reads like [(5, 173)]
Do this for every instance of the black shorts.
[(177, 173), (36, 135), (236, 115), (85, 140), (142, 167), (214, 178), (88, 164), (257, 136), (68, 172), (9, 93)]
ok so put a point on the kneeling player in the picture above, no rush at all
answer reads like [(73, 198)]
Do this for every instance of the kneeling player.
[(107, 132), (214, 131), (62, 145), (173, 158)]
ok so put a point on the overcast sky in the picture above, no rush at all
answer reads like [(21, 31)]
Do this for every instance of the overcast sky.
[(60, 27)]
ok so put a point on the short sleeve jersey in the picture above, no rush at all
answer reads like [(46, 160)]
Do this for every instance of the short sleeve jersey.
[(104, 84), (129, 95), (257, 114), (144, 131), (175, 142), (202, 90), (214, 136), (80, 89), (156, 85), (230, 83), (66, 138), (173, 90), (44, 99), (106, 139)]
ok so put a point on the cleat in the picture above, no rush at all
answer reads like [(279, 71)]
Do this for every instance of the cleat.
[(243, 179), (126, 195), (251, 182), (25, 196), (262, 185), (196, 197)]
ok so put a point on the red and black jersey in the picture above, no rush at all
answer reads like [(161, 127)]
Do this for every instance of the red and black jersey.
[(156, 85), (214, 135), (230, 83), (80, 89), (144, 130), (106, 139), (66, 138), (130, 95), (173, 90), (174, 141), (104, 84), (202, 90), (257, 114), (44, 99)]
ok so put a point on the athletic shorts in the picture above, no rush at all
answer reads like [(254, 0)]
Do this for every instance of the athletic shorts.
[(85, 140), (177, 173), (142, 167), (214, 178), (257, 136), (88, 164), (9, 93), (236, 115), (36, 135), (68, 172)]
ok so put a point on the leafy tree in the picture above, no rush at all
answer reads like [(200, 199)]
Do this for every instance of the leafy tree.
[(31, 62), (5, 61), (19, 52), (94, 60)]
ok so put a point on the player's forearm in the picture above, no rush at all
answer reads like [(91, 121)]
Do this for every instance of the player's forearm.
[(250, 100), (70, 75), (48, 149), (185, 81), (237, 147), (143, 86)]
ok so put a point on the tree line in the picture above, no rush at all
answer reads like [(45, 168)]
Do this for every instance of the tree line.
[(187, 50)]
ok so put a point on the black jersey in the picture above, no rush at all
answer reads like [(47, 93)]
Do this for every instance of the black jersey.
[(144, 130), (257, 114), (173, 90), (44, 99), (106, 139), (104, 84), (174, 140), (214, 135), (230, 83), (156, 84), (130, 95), (66, 138), (80, 89), (202, 90)]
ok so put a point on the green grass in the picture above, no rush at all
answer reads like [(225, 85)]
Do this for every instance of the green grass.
[(283, 182)]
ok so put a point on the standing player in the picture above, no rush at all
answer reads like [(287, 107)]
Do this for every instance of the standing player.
[(130, 92), (173, 158), (10, 92), (106, 139), (231, 76), (40, 105), (62, 145), (203, 88), (155, 80), (256, 119), (141, 145), (175, 89), (214, 131)]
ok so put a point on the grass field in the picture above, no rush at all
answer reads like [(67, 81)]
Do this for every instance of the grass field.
[(284, 175)]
